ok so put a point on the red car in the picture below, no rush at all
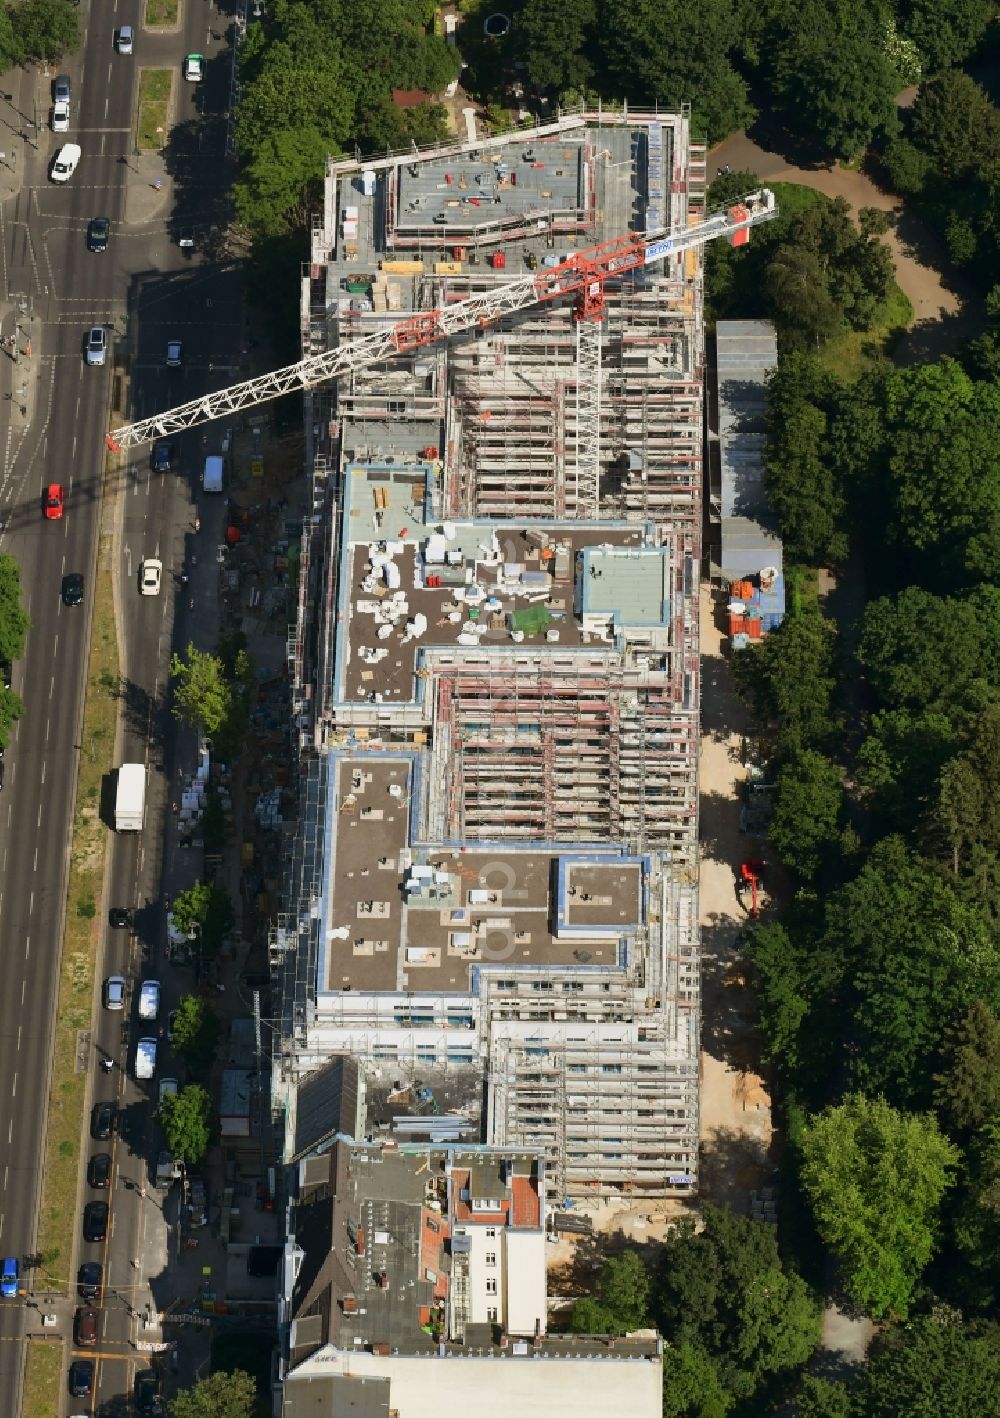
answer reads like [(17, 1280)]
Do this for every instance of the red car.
[(54, 502)]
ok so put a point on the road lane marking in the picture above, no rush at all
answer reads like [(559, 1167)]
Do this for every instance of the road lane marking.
[(10, 1131), (13, 1088), (35, 867), (19, 1038), (23, 987), (27, 946), (48, 725), (43, 770), (31, 904), (52, 687)]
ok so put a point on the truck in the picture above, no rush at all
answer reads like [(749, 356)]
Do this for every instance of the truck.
[(213, 478), (130, 798)]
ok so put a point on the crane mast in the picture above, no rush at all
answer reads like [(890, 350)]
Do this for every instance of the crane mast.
[(582, 275)]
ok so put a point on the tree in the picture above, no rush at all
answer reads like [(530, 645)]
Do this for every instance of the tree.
[(724, 1293), (925, 651), (954, 122), (875, 1179), (691, 1385), (935, 1365), (622, 1301), (805, 824), (790, 677), (669, 52), (967, 1090), (45, 29), (799, 971), (833, 79), (188, 1122), (907, 166), (196, 1032), (553, 36), (822, 1398), (947, 31), (202, 695), (204, 911), (799, 298), (916, 954), (222, 1395)]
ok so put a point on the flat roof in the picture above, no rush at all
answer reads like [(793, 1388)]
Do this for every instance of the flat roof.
[(630, 584), (426, 923)]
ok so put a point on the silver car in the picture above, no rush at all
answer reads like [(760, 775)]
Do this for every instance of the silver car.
[(114, 992), (97, 345)]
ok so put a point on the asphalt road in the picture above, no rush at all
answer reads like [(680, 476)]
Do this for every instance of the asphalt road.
[(168, 295)]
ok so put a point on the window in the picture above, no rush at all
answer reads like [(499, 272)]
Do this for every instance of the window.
[(491, 1233), (491, 1287), (491, 1257), (491, 1314)]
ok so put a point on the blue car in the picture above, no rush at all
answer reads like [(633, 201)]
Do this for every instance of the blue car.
[(8, 1278)]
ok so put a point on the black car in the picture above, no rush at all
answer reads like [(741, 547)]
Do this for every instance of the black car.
[(81, 1378), (147, 1394), (99, 1170), (95, 1221), (89, 1279), (162, 457), (72, 589), (103, 1117), (119, 918), (97, 234), (85, 1327)]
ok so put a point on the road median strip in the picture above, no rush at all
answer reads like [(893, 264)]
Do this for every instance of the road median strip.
[(155, 95), (161, 14)]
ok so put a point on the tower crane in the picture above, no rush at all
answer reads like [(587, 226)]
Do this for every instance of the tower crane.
[(582, 275)]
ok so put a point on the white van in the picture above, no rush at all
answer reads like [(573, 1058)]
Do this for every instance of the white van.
[(211, 479), (145, 1058), (149, 999)]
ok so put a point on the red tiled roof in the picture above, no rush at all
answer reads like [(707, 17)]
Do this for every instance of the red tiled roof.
[(526, 1202), (409, 98)]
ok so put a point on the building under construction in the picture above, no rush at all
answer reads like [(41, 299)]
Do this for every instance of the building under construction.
[(491, 902)]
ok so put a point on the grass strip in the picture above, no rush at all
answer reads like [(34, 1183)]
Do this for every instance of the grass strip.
[(43, 1372), (155, 88), (57, 1213), (161, 14)]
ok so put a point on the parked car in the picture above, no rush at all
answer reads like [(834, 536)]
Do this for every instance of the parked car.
[(119, 918), (60, 118), (81, 1378), (147, 1394), (85, 1327), (9, 1275), (149, 999), (103, 1120), (169, 1088), (97, 234), (175, 354), (72, 589), (89, 1281), (65, 162), (61, 88), (123, 40), (95, 1221), (114, 992), (99, 1170)]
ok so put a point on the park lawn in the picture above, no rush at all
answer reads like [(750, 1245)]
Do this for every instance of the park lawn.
[(161, 14), (67, 1099), (155, 90)]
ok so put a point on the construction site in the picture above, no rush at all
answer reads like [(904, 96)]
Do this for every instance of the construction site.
[(490, 899)]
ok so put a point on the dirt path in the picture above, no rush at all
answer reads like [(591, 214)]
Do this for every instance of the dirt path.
[(735, 1106), (946, 311)]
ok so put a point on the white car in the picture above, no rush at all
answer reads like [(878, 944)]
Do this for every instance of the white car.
[(60, 117), (194, 68), (149, 999), (145, 1058), (65, 162), (124, 40), (114, 992), (150, 576)]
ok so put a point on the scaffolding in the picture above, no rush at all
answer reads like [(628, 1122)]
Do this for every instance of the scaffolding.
[(539, 417)]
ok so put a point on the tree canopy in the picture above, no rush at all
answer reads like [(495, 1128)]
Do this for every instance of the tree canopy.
[(621, 1303), (196, 1031), (205, 911), (875, 1179), (188, 1122), (221, 1395)]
